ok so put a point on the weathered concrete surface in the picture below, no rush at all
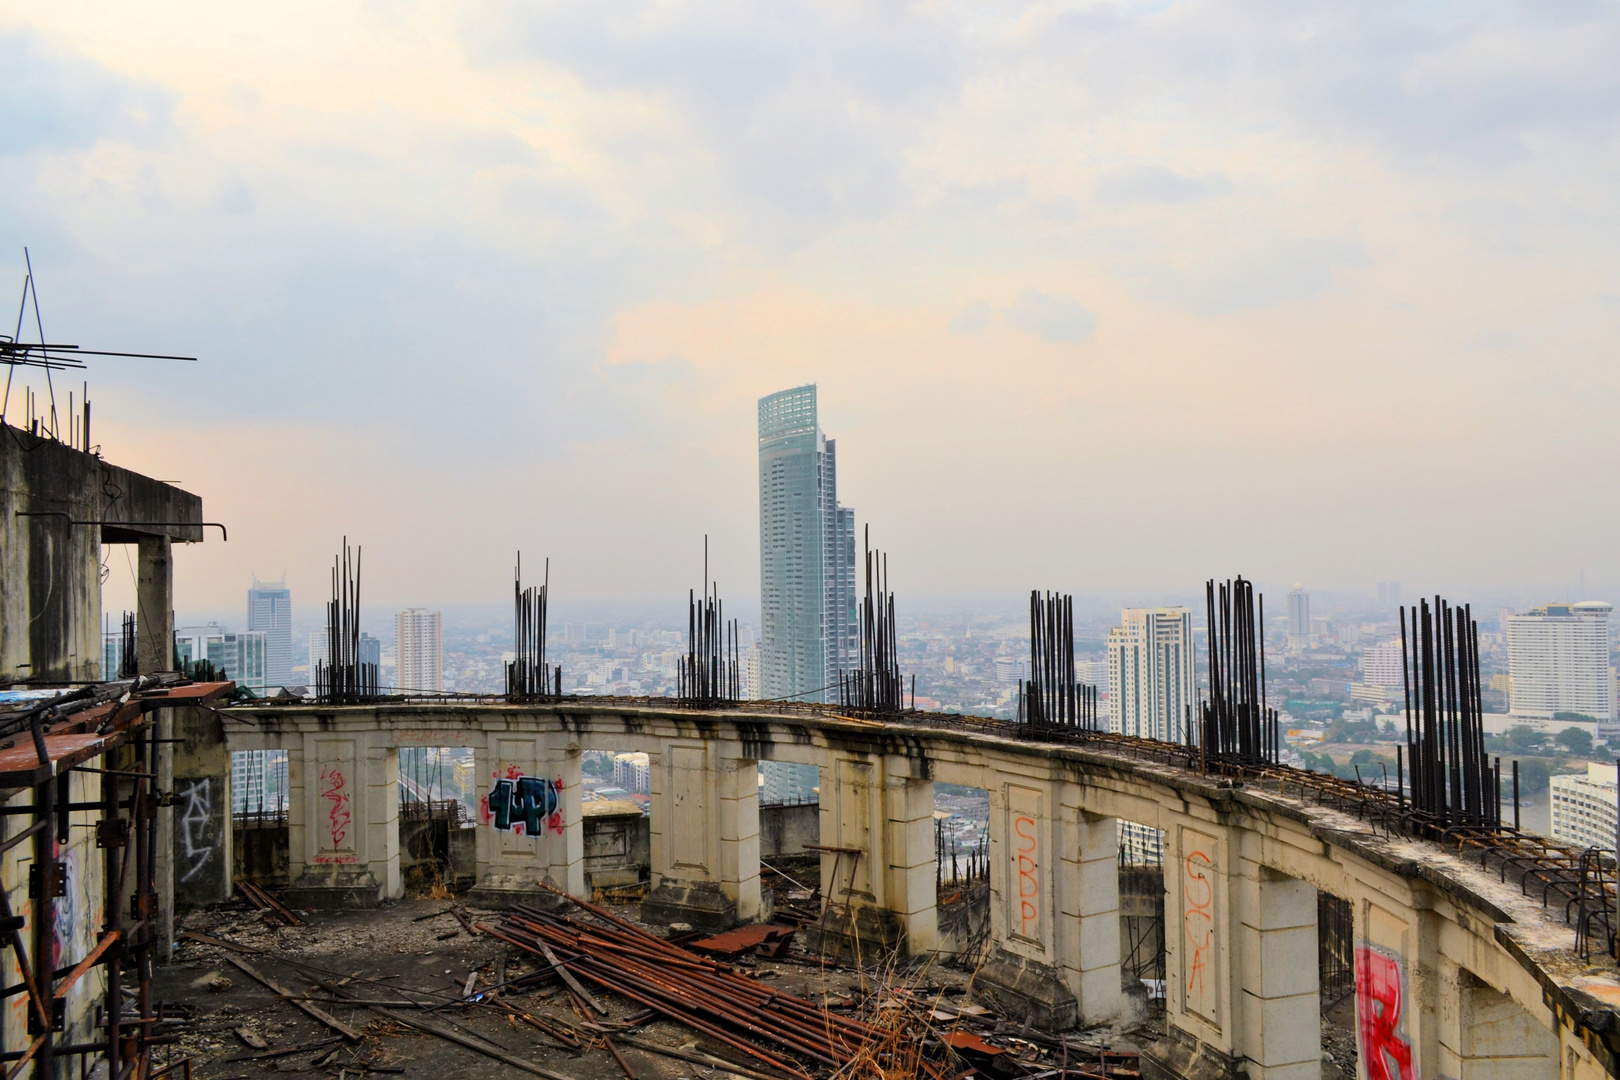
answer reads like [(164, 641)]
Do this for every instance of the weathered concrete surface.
[(788, 829), (1242, 862), (50, 585)]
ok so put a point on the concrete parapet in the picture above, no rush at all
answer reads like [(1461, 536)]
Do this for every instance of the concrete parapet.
[(530, 832), (343, 821)]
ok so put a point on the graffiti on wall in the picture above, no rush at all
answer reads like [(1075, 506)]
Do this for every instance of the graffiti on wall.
[(335, 790), (198, 844), (523, 805), (1029, 883), (1380, 1003), (1198, 924)]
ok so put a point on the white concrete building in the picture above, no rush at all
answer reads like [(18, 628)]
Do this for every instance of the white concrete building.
[(1381, 665), (1150, 672), (1583, 807), (1558, 656), (632, 772), (419, 650)]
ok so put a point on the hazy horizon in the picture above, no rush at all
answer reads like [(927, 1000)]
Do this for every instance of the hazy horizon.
[(1102, 297)]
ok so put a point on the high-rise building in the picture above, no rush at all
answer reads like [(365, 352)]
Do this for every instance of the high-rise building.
[(1583, 807), (1558, 657), (1150, 673), (1299, 617), (1381, 665), (806, 554), (419, 650), (270, 611)]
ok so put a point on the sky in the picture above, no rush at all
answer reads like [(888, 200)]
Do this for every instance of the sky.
[(1103, 297)]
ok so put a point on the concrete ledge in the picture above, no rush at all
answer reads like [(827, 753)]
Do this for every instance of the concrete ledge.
[(1180, 1056), (335, 887), (497, 892), (701, 904), (1029, 991), (876, 930)]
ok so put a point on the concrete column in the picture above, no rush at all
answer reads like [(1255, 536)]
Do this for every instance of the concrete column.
[(877, 876), (202, 809), (1277, 965), (154, 606), (348, 821), (565, 850), (1200, 1035), (530, 826), (1396, 991), (1054, 906), (704, 835), (738, 791)]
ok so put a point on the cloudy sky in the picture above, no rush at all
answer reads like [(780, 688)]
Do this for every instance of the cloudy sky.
[(1099, 296)]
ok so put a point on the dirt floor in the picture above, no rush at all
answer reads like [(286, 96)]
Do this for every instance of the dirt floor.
[(416, 952)]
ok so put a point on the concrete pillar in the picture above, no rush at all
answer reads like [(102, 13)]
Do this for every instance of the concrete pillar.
[(1276, 962), (877, 866), (1200, 1037), (1396, 992), (530, 826), (1054, 906), (738, 852), (344, 820), (703, 835), (202, 809), (154, 606)]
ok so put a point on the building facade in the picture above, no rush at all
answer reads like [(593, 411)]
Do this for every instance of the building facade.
[(1299, 618), (418, 650), (270, 611), (1558, 660), (1381, 665), (1150, 673), (809, 631), (1583, 807)]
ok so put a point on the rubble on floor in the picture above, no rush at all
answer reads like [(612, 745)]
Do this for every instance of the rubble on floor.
[(582, 992)]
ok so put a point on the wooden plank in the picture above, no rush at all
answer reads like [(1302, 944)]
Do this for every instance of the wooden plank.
[(293, 999), (251, 1037), (220, 943)]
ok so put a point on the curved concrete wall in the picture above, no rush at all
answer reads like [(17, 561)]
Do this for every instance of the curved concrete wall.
[(1458, 975)]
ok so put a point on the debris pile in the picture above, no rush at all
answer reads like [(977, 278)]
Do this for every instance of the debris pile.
[(585, 993)]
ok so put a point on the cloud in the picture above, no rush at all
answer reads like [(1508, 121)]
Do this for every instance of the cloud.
[(975, 318), (56, 100), (1054, 317), (1155, 183)]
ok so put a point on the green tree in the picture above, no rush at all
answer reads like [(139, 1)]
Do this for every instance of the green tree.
[(1525, 739), (1533, 774), (1575, 740), (1361, 757)]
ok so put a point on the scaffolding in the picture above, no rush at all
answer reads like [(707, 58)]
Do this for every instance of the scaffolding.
[(105, 735)]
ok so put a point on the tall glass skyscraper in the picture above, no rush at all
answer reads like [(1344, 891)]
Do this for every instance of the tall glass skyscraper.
[(806, 554), (270, 610)]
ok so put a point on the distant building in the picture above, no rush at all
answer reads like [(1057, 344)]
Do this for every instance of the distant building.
[(270, 611), (1583, 807), (419, 650), (782, 782), (751, 673), (1299, 618), (1150, 673), (1558, 660), (258, 781), (194, 643), (1381, 665), (370, 651), (809, 633), (632, 772), (1009, 669), (238, 657)]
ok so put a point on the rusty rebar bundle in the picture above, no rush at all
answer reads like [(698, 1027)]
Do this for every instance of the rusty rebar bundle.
[(1452, 782), (711, 672), (1234, 724), (528, 676), (877, 685), (343, 679), (1053, 697)]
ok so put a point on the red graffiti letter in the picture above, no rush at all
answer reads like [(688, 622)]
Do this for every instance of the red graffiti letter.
[(1379, 992)]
